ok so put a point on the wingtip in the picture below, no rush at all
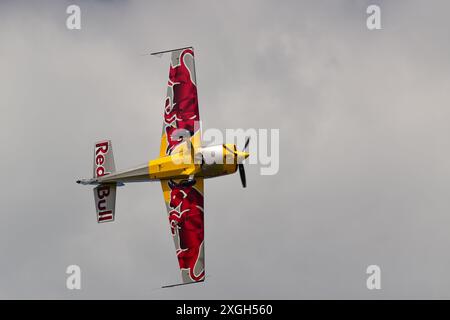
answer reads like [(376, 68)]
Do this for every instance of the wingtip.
[(159, 53), (181, 284)]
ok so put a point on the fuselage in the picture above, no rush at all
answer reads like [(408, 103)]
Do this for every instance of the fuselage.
[(207, 162)]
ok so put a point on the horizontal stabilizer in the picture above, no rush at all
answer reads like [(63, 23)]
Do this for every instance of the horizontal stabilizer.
[(105, 202)]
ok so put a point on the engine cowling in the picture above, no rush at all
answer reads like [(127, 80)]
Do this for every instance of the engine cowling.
[(217, 160)]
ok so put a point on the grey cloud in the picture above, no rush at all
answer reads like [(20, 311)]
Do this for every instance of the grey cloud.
[(363, 121)]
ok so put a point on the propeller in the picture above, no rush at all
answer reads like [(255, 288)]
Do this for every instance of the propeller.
[(246, 143), (241, 165), (242, 175), (240, 157)]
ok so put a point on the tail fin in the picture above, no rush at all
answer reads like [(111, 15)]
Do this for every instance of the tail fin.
[(105, 202), (104, 194), (103, 159)]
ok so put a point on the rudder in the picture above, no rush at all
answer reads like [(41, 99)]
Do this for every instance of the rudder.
[(105, 202), (104, 194), (103, 159)]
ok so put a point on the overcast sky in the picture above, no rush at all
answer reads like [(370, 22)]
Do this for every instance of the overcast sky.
[(364, 124)]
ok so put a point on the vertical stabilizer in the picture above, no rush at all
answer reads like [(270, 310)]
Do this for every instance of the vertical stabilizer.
[(104, 194), (103, 159)]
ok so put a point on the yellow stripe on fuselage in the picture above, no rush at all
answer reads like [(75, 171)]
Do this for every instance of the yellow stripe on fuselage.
[(174, 166)]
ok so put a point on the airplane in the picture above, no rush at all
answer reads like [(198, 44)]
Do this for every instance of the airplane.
[(181, 168)]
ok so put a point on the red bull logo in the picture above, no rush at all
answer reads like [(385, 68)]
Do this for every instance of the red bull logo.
[(181, 105), (101, 150), (104, 214), (186, 223)]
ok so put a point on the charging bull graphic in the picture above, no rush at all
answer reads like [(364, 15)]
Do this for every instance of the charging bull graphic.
[(181, 105), (186, 223)]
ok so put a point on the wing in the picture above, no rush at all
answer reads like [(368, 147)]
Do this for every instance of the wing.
[(184, 202), (181, 116)]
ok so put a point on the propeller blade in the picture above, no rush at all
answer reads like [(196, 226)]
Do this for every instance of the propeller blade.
[(246, 143), (242, 175)]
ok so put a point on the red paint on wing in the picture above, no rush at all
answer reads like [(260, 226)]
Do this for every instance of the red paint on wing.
[(186, 219), (181, 110)]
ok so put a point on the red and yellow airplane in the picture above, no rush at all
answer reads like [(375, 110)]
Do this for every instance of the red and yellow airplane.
[(181, 167)]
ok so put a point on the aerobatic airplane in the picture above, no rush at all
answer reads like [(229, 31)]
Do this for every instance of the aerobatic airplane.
[(181, 167)]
